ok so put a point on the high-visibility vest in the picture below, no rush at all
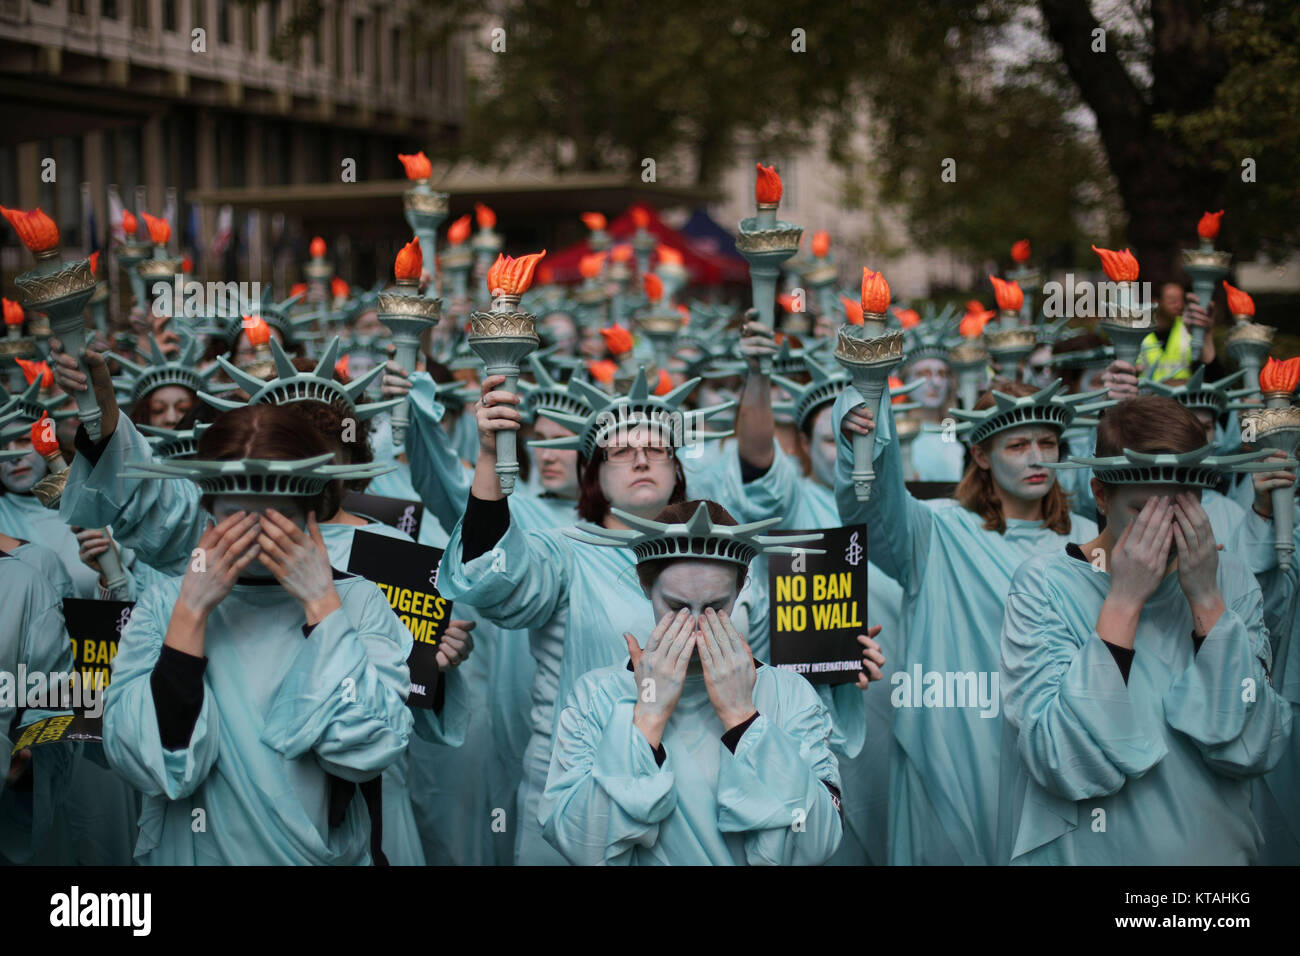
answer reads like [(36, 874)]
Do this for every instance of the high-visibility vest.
[(1172, 361)]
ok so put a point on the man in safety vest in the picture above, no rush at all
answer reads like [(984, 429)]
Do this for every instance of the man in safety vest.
[(1167, 352)]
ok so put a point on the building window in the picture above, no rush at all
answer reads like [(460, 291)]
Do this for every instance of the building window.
[(250, 27), (397, 56), (169, 15), (140, 14), (77, 7), (225, 21), (108, 9), (358, 46), (198, 14)]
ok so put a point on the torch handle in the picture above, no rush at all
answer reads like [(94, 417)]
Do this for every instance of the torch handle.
[(1283, 500), (88, 410), (864, 446), (1251, 378), (110, 562), (405, 355), (968, 384), (507, 445)]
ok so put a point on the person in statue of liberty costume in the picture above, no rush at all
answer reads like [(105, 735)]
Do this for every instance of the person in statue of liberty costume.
[(1136, 666), (215, 662), (513, 672), (693, 752), (955, 563), (572, 596), (163, 520)]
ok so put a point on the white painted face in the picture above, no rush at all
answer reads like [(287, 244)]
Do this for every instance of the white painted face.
[(938, 382), (1014, 456), (822, 448), (639, 485), (557, 467), (694, 585), (1038, 367), (20, 474), (169, 405), (223, 506), (563, 331)]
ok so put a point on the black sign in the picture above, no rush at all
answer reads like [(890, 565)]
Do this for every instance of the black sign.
[(403, 515), (819, 607), (929, 490), (407, 573)]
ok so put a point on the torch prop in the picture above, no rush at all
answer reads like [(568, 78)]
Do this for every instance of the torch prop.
[(502, 338), (49, 490), (425, 210), (868, 353), (407, 314), (1277, 426), (1248, 343), (766, 242), (1207, 267), (61, 291)]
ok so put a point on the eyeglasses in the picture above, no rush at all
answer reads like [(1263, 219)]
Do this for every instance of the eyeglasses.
[(626, 454)]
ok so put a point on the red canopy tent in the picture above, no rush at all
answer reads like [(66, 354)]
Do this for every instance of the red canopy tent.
[(702, 267)]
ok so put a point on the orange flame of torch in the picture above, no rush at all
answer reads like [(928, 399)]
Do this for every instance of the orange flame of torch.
[(1020, 251), (1009, 294), (484, 215), (665, 383), (317, 248), (129, 222), (907, 317), (972, 323), (458, 231), (640, 217), (45, 446), (417, 166), (895, 383), (603, 371), (589, 266), (258, 332), (409, 262), (668, 256), (1239, 303), (654, 287), (339, 288), (786, 301), (187, 265), (94, 262), (852, 311), (13, 312), (767, 188), (37, 230), (298, 288), (511, 276), (685, 312), (617, 339), (341, 370), (622, 252), (1208, 227), (1118, 266), (595, 221), (1278, 376), (160, 230), (821, 243), (875, 292), (34, 370)]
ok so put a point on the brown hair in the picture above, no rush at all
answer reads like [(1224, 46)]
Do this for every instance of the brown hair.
[(593, 506), (1149, 423), (680, 512), (273, 433), (331, 424), (978, 493)]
